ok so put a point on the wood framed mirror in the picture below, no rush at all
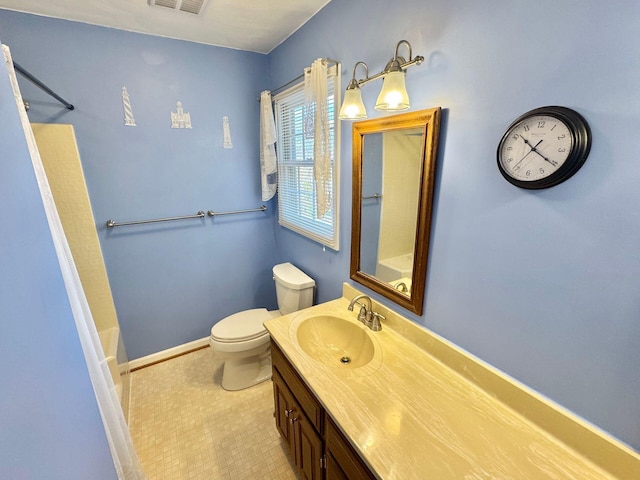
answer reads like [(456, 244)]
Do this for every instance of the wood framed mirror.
[(394, 161)]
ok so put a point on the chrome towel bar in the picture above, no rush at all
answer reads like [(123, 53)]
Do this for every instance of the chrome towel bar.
[(375, 195), (200, 214), (261, 208), (113, 223)]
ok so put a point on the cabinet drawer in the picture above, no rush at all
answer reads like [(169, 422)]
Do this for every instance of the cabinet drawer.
[(306, 399)]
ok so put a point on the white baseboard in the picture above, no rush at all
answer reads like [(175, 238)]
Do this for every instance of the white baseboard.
[(167, 354)]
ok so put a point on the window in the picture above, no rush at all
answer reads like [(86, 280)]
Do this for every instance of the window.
[(296, 186)]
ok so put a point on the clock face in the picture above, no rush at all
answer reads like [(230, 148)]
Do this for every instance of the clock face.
[(544, 147), (535, 148)]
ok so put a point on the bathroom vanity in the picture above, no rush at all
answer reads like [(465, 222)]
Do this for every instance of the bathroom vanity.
[(315, 443), (410, 405)]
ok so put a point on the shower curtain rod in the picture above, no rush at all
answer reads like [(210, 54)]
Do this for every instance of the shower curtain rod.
[(41, 85), (299, 77)]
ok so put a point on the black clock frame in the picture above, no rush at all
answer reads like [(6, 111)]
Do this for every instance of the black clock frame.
[(581, 145)]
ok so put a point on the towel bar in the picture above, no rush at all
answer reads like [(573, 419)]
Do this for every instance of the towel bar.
[(200, 214), (261, 208), (113, 223)]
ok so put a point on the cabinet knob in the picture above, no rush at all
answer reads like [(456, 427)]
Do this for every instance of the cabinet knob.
[(287, 412), (293, 420)]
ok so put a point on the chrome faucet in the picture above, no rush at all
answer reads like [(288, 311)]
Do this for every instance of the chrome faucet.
[(365, 313), (402, 287), (367, 316)]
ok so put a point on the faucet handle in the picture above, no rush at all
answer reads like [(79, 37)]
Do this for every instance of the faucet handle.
[(376, 326), (362, 316)]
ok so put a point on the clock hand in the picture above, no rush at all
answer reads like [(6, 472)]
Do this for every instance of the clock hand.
[(552, 162), (533, 149), (520, 161)]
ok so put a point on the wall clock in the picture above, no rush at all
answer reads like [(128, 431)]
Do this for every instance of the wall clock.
[(544, 147)]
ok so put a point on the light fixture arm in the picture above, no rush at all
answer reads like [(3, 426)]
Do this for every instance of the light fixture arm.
[(396, 57), (397, 63), (356, 83)]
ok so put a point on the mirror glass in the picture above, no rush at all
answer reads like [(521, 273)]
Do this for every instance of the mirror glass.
[(393, 173)]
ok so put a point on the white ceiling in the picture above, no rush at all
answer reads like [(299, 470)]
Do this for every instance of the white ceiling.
[(253, 25)]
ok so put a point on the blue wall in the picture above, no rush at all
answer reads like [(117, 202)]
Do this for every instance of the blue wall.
[(542, 284), (51, 427), (171, 281)]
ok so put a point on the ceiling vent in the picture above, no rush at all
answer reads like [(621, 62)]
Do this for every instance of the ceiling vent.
[(188, 6)]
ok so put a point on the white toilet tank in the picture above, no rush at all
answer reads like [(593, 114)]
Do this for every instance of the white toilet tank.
[(294, 288)]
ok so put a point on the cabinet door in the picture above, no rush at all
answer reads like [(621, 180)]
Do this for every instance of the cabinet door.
[(342, 460), (334, 472), (295, 428), (305, 399), (308, 449), (284, 410)]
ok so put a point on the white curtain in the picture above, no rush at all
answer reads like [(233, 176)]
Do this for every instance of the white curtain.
[(317, 126), (268, 138), (124, 456)]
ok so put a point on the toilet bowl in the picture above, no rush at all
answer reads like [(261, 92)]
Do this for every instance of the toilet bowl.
[(241, 339)]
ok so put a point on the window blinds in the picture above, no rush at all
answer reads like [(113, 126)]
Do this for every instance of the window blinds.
[(296, 187)]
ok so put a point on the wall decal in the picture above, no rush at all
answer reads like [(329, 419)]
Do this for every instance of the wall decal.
[(129, 121), (227, 133), (180, 118)]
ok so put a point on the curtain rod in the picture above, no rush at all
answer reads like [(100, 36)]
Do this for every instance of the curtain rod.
[(41, 85), (299, 77)]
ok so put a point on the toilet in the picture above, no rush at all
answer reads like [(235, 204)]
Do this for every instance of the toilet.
[(241, 339)]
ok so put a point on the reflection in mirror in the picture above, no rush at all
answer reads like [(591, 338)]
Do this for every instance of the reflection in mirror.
[(391, 163), (393, 172)]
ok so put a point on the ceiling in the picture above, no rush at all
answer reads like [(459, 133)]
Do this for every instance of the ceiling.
[(253, 25)]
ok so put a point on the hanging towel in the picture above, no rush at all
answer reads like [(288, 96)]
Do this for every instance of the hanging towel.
[(317, 124), (268, 137)]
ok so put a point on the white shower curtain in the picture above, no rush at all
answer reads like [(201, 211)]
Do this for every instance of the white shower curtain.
[(317, 127), (124, 456)]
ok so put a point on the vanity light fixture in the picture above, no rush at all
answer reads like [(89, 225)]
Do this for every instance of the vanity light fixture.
[(352, 106), (393, 95)]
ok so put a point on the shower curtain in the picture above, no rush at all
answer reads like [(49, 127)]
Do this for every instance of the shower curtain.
[(124, 456)]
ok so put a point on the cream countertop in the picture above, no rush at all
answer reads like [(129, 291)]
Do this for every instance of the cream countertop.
[(410, 416)]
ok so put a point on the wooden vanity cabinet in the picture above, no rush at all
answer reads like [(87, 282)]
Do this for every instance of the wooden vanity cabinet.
[(294, 422), (318, 448)]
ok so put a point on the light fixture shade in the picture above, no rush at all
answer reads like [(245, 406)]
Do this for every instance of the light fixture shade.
[(352, 106), (393, 95)]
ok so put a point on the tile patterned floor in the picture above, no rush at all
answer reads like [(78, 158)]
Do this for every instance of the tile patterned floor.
[(185, 426)]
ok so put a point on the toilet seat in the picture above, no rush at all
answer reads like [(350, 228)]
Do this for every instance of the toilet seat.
[(242, 326)]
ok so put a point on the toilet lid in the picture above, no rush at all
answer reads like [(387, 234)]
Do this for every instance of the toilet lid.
[(241, 326)]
